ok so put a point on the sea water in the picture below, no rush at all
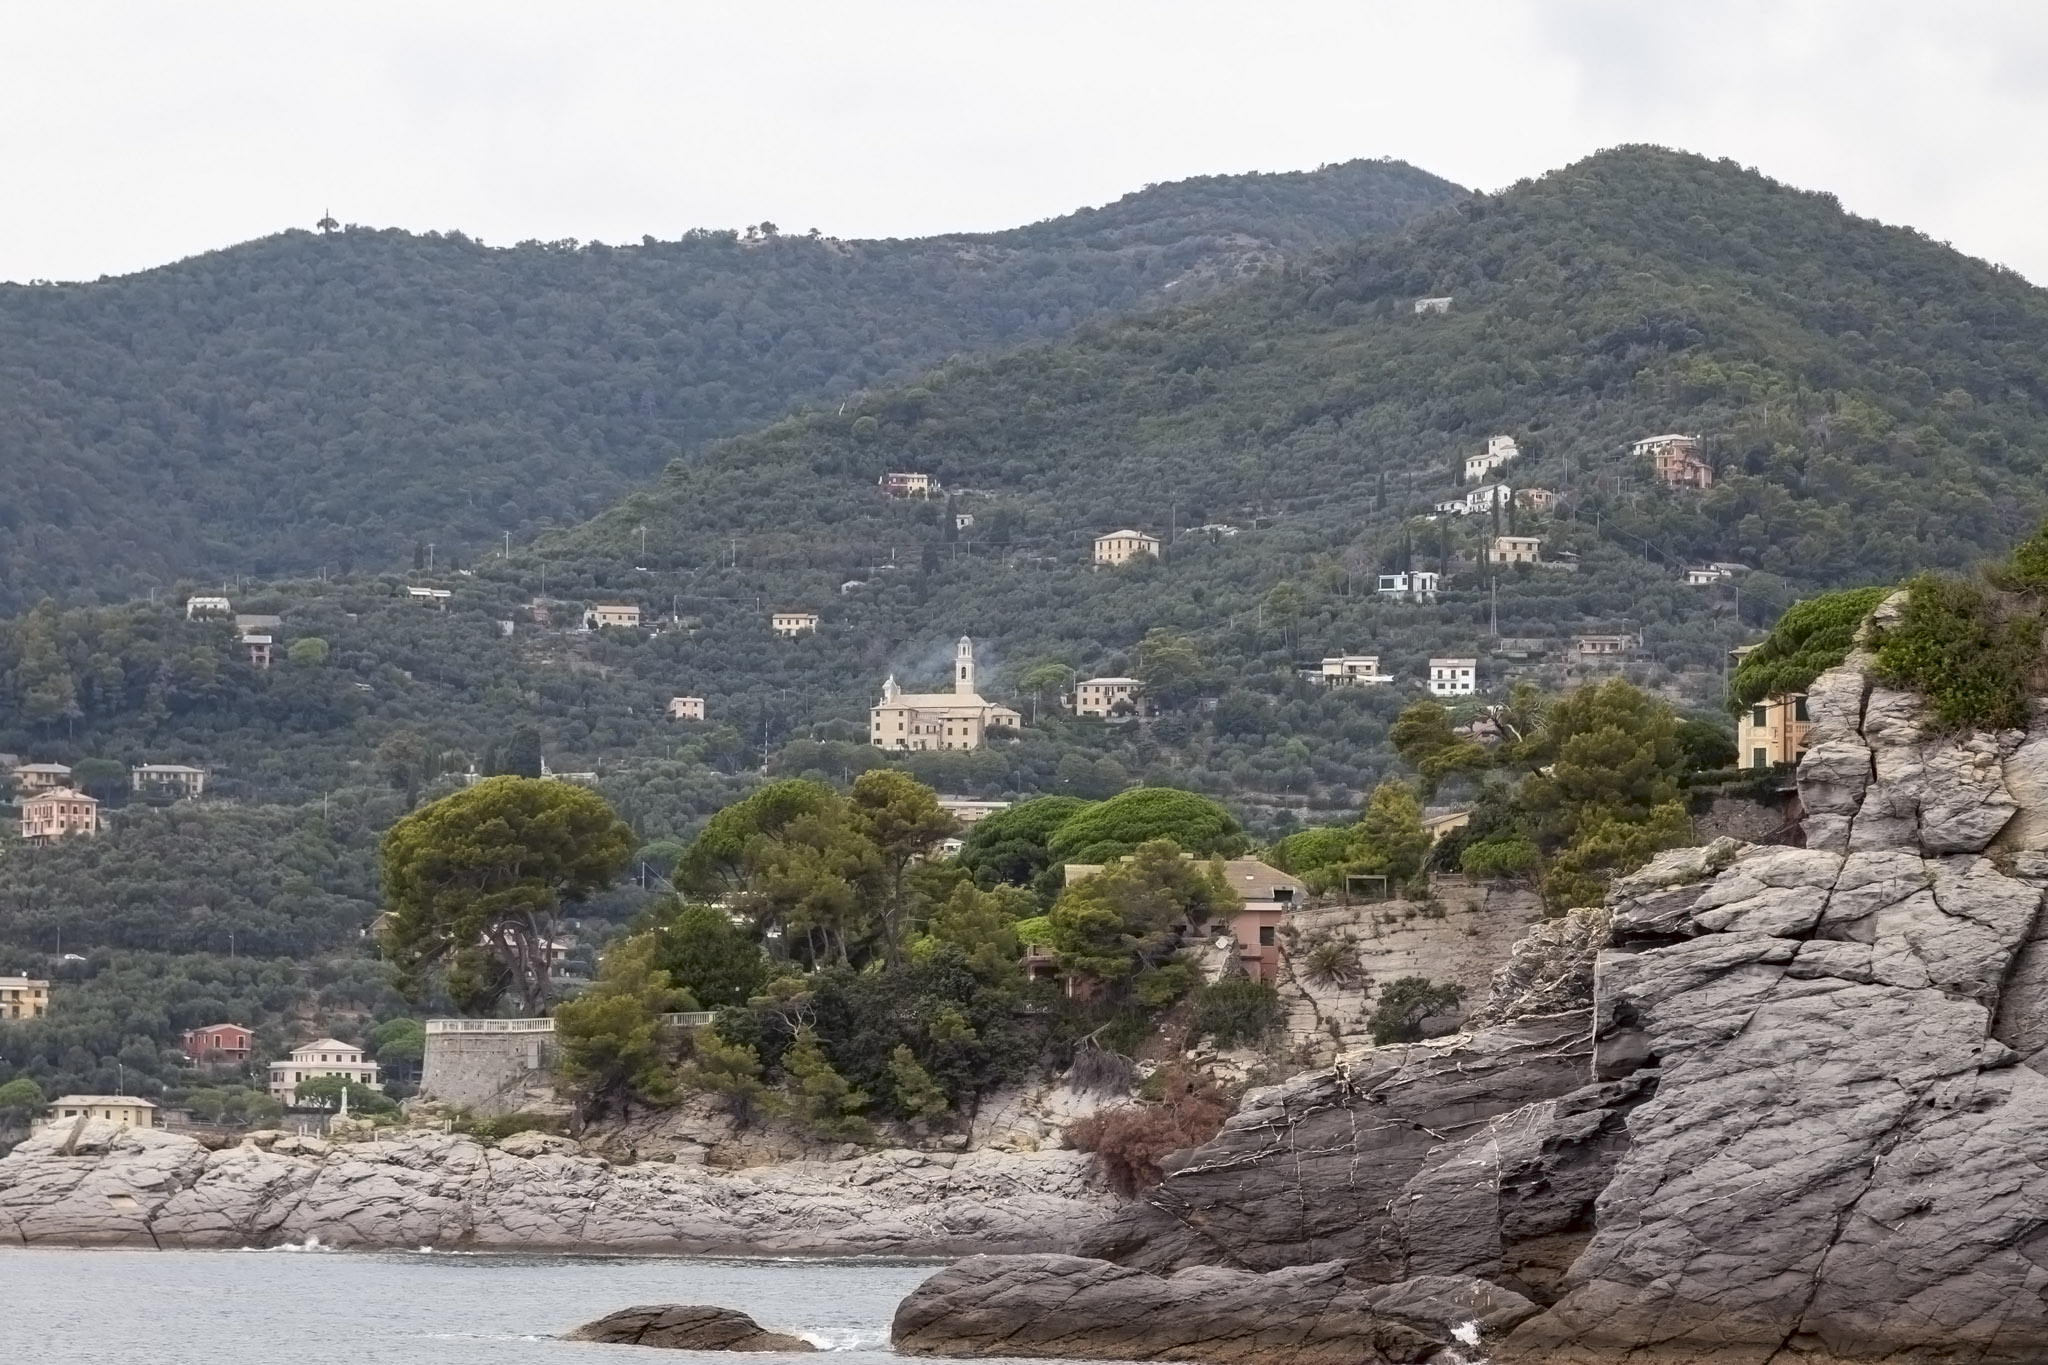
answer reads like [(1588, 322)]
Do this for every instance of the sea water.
[(260, 1307)]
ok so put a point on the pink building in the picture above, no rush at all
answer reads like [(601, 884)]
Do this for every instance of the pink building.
[(1268, 895)]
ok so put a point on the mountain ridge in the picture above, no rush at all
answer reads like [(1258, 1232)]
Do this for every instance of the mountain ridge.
[(311, 400)]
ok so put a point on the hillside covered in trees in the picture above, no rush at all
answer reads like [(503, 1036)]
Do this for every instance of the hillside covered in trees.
[(326, 399)]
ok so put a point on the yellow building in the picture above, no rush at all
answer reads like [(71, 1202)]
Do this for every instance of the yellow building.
[(959, 719), (1517, 550), (23, 997), (128, 1111), (52, 815), (42, 777), (1099, 697), (1121, 547), (908, 484), (686, 708), (603, 614), (180, 780), (790, 624), (1772, 732)]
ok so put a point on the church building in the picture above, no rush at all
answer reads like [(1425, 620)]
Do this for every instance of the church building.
[(959, 719)]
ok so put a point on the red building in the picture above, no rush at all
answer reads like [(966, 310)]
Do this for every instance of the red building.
[(218, 1043)]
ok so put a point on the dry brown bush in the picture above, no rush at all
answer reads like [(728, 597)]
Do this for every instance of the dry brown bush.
[(1130, 1140)]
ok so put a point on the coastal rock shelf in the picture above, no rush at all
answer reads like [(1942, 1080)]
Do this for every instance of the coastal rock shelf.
[(124, 1187)]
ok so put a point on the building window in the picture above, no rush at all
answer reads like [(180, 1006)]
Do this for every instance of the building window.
[(1799, 709), (1759, 717), (1265, 936), (1757, 759)]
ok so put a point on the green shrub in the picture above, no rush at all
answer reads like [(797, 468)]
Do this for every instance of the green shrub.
[(1809, 639), (1405, 1005), (1235, 1013), (1955, 648)]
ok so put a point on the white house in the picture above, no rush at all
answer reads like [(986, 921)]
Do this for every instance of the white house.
[(604, 614), (790, 624), (1453, 677), (686, 708), (1479, 501), (208, 606), (321, 1057), (433, 597), (1499, 450), (1353, 670), (1705, 577), (1419, 585), (1438, 305)]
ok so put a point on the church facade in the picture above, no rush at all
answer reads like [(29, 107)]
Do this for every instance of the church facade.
[(959, 719)]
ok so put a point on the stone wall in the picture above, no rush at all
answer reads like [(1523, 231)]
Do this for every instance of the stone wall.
[(1461, 934), (490, 1073)]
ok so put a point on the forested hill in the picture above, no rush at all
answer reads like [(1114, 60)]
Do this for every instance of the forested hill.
[(328, 399)]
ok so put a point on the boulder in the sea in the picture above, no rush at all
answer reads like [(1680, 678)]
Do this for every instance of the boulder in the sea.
[(686, 1327), (1076, 1308)]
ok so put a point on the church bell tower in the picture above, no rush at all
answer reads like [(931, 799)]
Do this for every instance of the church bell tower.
[(963, 667)]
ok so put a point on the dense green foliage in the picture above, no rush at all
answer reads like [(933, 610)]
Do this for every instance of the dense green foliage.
[(1809, 639), (1973, 649), (329, 399), (1406, 1004), (476, 883)]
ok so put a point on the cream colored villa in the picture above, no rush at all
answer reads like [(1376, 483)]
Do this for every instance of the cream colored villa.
[(58, 813), (1121, 547), (24, 997), (959, 719), (790, 624), (126, 1111), (321, 1057)]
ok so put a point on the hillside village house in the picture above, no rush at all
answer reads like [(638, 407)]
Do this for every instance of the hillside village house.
[(1453, 677), (1353, 670), (1268, 895), (959, 719), (41, 777), (1443, 822), (1676, 459), (125, 1111), (1121, 547), (1772, 732), (321, 1057), (1419, 585), (217, 1044), (969, 811), (432, 597), (963, 521), (208, 606), (1593, 649), (790, 624), (1516, 550), (686, 708), (1478, 502), (260, 649), (1499, 450), (908, 485), (604, 614), (1438, 305), (181, 781), (247, 623), (1536, 499), (23, 997), (1100, 697), (1706, 576), (52, 815)]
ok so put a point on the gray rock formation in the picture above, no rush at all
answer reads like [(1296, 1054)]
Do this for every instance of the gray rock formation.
[(1074, 1308), (686, 1327), (121, 1186), (1843, 1157), (1304, 1172)]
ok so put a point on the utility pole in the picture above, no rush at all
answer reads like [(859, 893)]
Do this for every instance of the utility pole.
[(643, 540), (430, 556), (508, 545), (1493, 609)]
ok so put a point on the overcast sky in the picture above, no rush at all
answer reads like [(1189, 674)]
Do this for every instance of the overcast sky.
[(134, 134)]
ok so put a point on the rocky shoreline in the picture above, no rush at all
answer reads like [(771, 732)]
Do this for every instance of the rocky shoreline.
[(104, 1185)]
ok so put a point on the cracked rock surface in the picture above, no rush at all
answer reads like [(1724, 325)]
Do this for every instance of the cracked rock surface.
[(1846, 1154), (109, 1185), (1078, 1308)]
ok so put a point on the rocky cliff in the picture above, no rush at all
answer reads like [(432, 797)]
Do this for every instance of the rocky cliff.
[(1805, 1118), (97, 1184)]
